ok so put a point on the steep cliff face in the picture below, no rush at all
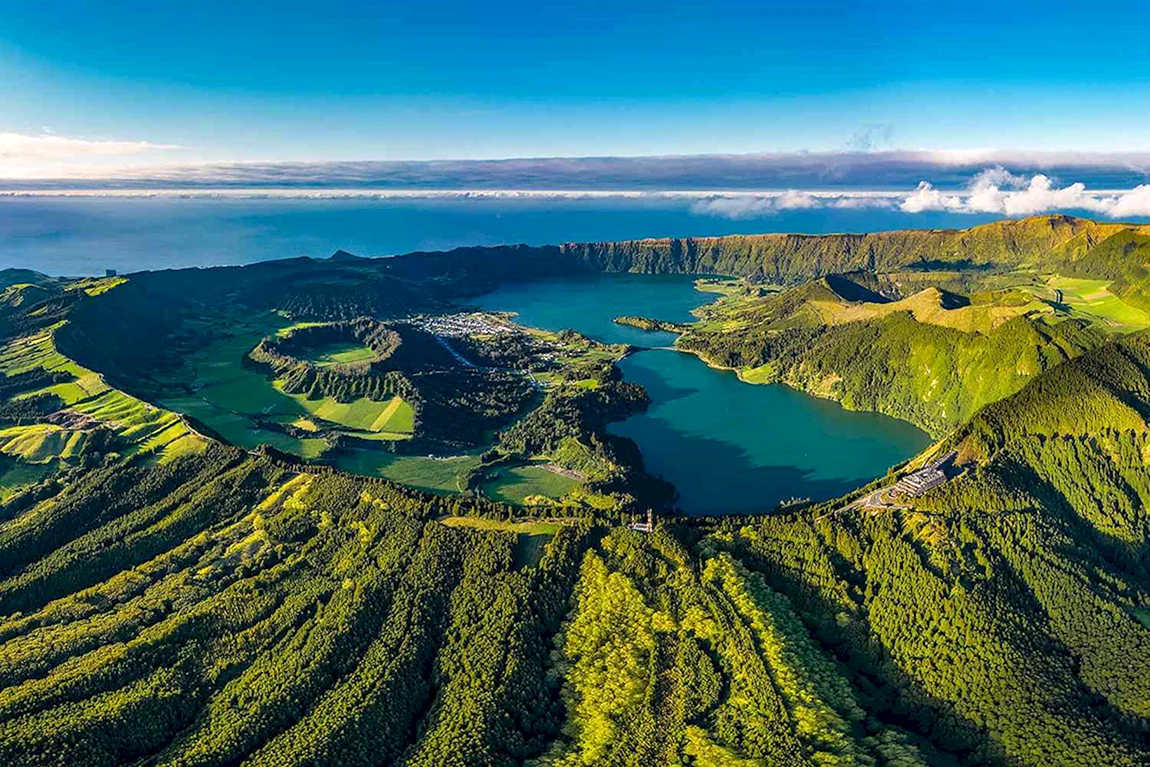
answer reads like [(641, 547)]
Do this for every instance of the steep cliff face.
[(790, 258)]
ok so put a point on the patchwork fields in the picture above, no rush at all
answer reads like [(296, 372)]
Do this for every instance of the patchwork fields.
[(240, 402), (34, 451)]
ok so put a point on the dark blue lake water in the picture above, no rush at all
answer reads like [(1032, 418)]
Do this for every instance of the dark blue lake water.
[(728, 446)]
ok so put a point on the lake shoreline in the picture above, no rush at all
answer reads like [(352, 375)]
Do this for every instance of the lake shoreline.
[(727, 446)]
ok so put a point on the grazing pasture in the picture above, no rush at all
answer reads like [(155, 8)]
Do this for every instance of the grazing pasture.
[(344, 353), (1092, 300), (436, 475), (240, 403), (517, 484)]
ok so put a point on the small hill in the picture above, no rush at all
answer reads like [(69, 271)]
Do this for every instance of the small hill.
[(25, 293), (936, 307), (10, 277)]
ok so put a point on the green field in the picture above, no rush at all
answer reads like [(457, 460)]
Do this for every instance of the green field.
[(41, 442), (515, 485), (150, 428), (16, 475), (437, 475), (393, 416), (33, 352), (240, 430), (1092, 300), (343, 353)]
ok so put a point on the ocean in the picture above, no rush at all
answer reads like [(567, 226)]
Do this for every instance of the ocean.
[(79, 236)]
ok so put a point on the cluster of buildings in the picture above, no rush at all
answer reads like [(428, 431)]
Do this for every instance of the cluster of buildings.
[(461, 325), (644, 527), (927, 478), (918, 482)]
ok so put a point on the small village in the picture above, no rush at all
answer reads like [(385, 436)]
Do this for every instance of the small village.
[(463, 324)]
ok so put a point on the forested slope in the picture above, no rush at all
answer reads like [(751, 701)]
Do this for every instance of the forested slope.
[(226, 608), (284, 618), (213, 606)]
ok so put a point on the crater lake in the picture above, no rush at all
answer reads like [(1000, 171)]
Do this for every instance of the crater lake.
[(728, 446)]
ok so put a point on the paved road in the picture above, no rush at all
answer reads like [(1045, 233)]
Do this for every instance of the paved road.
[(443, 342)]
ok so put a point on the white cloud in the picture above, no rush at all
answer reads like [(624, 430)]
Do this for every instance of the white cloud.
[(998, 176), (49, 155), (792, 200), (741, 207), (997, 190), (925, 197), (862, 203), (1041, 196), (986, 195), (746, 205), (1136, 202), (877, 168)]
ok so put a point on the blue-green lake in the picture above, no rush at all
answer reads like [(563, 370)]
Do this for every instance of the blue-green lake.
[(727, 446)]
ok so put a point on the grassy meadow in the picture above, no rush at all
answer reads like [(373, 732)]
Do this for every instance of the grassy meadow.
[(345, 353), (436, 475), (1092, 300), (33, 452), (516, 484)]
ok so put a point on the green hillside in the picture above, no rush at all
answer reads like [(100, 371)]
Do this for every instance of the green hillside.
[(215, 551), (933, 358), (248, 612)]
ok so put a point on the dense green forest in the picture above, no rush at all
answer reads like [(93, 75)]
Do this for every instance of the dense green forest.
[(170, 598)]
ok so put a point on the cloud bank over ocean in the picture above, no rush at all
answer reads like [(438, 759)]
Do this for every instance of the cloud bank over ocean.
[(995, 191), (854, 170), (1114, 185)]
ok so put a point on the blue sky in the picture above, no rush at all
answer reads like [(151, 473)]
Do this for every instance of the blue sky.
[(431, 79)]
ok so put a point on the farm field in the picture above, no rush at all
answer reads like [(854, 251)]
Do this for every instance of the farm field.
[(436, 475), (514, 485), (240, 430), (149, 428), (393, 416), (340, 354), (1092, 300), (41, 443)]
